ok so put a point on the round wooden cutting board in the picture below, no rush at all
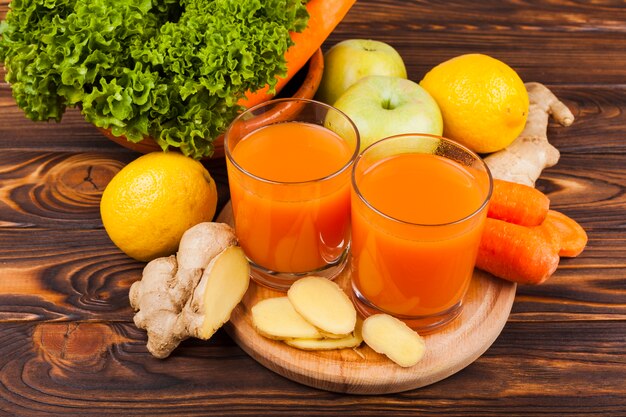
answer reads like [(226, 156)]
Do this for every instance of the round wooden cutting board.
[(363, 371)]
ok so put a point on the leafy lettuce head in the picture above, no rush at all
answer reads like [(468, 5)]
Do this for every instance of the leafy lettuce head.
[(170, 70)]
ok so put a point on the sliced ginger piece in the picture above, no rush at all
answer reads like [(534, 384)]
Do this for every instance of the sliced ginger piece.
[(275, 318), (349, 341), (327, 335), (222, 286), (323, 304), (391, 337)]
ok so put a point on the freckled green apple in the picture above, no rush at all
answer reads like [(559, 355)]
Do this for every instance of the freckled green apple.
[(350, 60), (382, 106)]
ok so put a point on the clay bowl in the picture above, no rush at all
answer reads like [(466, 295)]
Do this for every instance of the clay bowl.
[(303, 85)]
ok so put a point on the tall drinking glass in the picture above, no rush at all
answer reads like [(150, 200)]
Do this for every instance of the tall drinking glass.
[(419, 203), (289, 164)]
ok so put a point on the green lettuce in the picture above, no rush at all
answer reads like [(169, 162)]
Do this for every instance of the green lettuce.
[(170, 70)]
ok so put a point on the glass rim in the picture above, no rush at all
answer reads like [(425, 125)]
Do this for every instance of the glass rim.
[(276, 102), (396, 220)]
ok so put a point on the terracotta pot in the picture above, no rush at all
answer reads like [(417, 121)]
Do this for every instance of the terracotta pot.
[(303, 85)]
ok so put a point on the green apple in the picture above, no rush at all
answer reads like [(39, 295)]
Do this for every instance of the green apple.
[(382, 106), (349, 61)]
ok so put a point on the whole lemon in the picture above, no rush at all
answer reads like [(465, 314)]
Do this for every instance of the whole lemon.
[(483, 101), (152, 201)]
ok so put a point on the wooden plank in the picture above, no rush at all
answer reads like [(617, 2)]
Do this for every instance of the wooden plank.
[(80, 369), (525, 35), (549, 16), (49, 275)]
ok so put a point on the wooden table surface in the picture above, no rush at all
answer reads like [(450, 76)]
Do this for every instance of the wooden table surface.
[(68, 346)]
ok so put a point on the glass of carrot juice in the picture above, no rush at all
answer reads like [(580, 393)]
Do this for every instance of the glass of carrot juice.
[(419, 203), (289, 163)]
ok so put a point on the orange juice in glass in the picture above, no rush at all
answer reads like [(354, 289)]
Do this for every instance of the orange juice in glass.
[(288, 164), (419, 203)]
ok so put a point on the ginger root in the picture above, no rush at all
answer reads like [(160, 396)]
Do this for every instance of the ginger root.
[(193, 293), (524, 159)]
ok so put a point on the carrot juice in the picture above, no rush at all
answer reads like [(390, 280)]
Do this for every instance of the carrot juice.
[(290, 193), (417, 220)]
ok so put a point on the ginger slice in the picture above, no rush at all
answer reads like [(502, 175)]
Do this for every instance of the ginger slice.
[(391, 337), (349, 341), (275, 318), (327, 335), (222, 286), (323, 304)]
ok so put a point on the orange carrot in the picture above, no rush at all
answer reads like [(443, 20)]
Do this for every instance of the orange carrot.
[(516, 253), (518, 203), (324, 16), (570, 235)]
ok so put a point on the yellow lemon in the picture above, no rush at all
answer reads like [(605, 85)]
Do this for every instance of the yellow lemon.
[(483, 101), (152, 201)]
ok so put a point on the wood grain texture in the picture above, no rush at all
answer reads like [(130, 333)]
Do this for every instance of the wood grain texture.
[(521, 33), (67, 342), (50, 376)]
